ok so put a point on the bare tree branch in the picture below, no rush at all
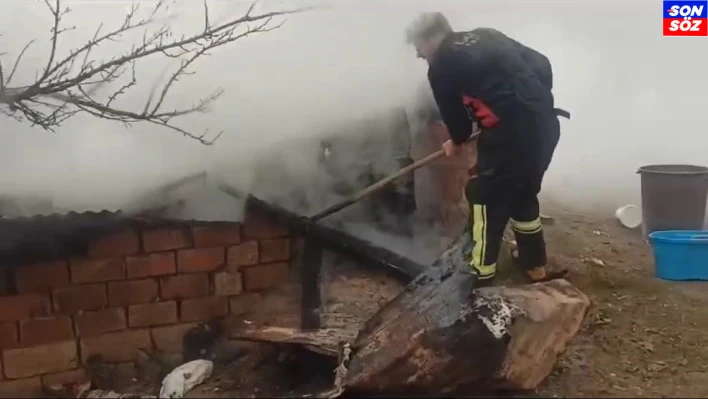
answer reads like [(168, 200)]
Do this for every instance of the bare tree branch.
[(206, 16), (55, 35), (17, 61), (70, 85)]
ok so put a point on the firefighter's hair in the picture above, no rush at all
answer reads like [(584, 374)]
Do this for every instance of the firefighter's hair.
[(427, 25)]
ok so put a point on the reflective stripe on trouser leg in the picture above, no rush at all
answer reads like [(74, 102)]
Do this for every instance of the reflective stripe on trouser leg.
[(479, 236), (531, 227)]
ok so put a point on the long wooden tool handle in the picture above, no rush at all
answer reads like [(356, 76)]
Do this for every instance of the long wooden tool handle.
[(378, 185), (384, 182), (408, 169)]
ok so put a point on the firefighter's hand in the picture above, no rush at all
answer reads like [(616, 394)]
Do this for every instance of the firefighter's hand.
[(451, 149)]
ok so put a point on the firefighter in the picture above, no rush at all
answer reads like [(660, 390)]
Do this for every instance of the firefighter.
[(482, 79)]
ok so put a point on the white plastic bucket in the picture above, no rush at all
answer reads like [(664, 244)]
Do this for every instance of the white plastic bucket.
[(630, 216)]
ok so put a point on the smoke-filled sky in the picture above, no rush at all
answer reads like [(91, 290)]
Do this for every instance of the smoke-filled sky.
[(636, 97)]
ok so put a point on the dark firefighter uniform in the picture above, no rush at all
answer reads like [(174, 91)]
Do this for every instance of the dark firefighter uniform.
[(484, 79)]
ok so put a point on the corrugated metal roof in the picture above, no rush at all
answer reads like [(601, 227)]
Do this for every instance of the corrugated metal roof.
[(60, 215), (40, 237), (150, 203)]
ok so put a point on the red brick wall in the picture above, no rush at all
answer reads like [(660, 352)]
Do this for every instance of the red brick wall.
[(137, 288)]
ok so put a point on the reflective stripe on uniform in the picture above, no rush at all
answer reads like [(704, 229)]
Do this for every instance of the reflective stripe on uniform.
[(479, 235), (531, 227), (486, 272)]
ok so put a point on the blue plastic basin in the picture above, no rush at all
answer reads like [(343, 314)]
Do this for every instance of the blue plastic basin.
[(680, 255)]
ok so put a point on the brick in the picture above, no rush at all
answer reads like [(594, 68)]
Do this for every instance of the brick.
[(132, 292), (152, 314), (115, 347), (122, 243), (23, 306), (216, 236), (45, 330), (274, 250), (158, 264), (200, 260), (169, 339), (42, 278), (256, 227), (8, 336), (165, 240), (264, 276), (202, 309), (65, 377), (24, 388), (89, 324), (43, 359), (97, 270), (184, 286), (245, 254), (80, 297), (227, 283)]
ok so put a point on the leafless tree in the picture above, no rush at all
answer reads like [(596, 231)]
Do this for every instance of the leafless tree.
[(69, 85)]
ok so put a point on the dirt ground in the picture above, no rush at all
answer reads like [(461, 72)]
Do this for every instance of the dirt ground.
[(643, 337)]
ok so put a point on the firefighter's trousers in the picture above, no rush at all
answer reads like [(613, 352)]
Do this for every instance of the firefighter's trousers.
[(493, 203)]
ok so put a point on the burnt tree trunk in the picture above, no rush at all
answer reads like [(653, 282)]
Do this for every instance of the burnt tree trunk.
[(441, 336)]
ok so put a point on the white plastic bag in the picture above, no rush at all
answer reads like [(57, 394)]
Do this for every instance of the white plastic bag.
[(185, 377)]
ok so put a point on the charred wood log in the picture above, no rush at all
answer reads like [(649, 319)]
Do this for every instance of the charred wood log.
[(439, 337), (325, 341), (423, 343), (457, 255)]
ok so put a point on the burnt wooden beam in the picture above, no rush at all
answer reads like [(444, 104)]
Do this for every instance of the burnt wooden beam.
[(333, 239), (368, 253), (311, 299)]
